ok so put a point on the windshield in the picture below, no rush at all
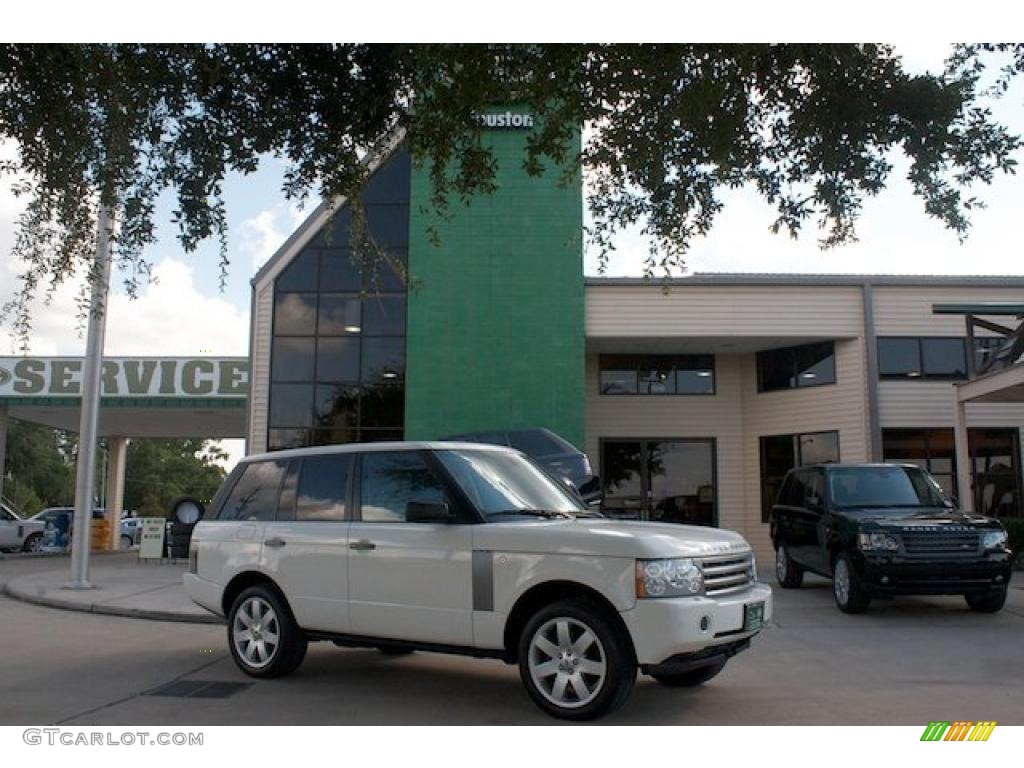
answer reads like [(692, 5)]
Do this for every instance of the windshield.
[(499, 482), (883, 487)]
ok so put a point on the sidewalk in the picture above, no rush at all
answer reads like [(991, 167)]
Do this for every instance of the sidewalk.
[(124, 587)]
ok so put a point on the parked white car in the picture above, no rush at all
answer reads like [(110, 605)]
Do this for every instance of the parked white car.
[(470, 549), (19, 534)]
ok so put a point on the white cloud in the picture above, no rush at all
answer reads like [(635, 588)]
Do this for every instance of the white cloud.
[(261, 235)]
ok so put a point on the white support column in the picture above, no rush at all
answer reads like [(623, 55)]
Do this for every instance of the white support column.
[(3, 446), (965, 492), (117, 460)]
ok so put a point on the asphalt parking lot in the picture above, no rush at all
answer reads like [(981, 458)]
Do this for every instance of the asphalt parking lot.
[(905, 663)]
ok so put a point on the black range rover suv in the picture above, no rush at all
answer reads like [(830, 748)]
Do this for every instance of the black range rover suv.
[(880, 530)]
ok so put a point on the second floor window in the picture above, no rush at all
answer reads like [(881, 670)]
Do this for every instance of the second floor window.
[(657, 374), (809, 365), (911, 357)]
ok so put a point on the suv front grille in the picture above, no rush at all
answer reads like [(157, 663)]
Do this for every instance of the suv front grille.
[(941, 543), (727, 573)]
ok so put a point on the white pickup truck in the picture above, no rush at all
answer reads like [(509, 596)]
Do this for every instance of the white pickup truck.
[(472, 549), (18, 534)]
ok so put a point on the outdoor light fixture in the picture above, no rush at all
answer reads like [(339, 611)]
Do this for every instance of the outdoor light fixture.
[(352, 329), (914, 374), (389, 375), (808, 375), (705, 374)]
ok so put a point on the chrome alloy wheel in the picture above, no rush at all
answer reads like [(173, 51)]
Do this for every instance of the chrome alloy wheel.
[(841, 582), (256, 632), (567, 662)]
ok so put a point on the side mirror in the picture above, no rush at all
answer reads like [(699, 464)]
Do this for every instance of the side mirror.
[(428, 512)]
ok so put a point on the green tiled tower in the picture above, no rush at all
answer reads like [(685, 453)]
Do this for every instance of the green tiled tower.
[(495, 313)]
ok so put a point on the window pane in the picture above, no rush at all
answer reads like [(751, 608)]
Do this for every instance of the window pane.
[(815, 364), (292, 360), (388, 224), (682, 482), (300, 275), (775, 369), (944, 358), (280, 439), (379, 435), (383, 405), (338, 270), (383, 359), (389, 481), (899, 357), (294, 314), (337, 435), (657, 376), (618, 382), (337, 406), (384, 315), (622, 478), (337, 359), (323, 487), (698, 382), (291, 405), (254, 496), (819, 448), (339, 315), (777, 458)]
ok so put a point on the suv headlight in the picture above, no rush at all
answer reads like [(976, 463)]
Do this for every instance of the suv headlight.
[(678, 577), (884, 542), (994, 540)]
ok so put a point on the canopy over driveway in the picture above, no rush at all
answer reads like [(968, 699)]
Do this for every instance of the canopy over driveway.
[(141, 397)]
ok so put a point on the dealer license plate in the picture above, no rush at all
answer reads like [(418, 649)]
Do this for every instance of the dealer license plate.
[(753, 616)]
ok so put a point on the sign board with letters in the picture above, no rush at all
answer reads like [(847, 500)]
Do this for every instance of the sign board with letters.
[(151, 545), (149, 377)]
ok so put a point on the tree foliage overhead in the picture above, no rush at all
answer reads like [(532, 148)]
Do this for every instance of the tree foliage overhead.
[(667, 127)]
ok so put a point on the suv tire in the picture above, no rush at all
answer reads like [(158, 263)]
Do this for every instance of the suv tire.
[(987, 602), (788, 573), (33, 543), (846, 586), (575, 663), (263, 637), (691, 678)]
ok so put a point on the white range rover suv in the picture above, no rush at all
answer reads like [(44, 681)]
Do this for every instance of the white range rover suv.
[(471, 549)]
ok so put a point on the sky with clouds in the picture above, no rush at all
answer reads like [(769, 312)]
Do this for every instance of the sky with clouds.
[(184, 311)]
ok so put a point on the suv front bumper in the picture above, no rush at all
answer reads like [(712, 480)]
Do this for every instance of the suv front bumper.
[(665, 627), (894, 575)]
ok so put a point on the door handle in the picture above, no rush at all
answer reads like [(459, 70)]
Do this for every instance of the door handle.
[(362, 545), (275, 543)]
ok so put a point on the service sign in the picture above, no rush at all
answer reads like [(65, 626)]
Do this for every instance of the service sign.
[(151, 544), (127, 377)]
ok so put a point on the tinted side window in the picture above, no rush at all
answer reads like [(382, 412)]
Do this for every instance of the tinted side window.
[(254, 496), (785, 492), (389, 481), (796, 491), (323, 487), (814, 496)]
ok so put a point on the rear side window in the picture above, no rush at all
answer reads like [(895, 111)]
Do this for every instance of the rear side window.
[(323, 487), (535, 442), (814, 497), (254, 496), (795, 491)]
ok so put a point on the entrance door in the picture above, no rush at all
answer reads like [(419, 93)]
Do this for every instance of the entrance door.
[(671, 481)]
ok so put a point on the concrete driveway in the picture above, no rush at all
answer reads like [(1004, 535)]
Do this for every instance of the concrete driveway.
[(905, 663)]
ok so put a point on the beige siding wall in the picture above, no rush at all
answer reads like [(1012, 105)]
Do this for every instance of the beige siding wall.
[(260, 386), (700, 310), (906, 311), (930, 404)]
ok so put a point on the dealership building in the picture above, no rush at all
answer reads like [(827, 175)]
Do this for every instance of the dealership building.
[(691, 396)]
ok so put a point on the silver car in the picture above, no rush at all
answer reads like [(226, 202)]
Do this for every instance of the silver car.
[(18, 534)]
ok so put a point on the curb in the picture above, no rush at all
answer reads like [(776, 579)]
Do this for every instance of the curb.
[(111, 610)]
